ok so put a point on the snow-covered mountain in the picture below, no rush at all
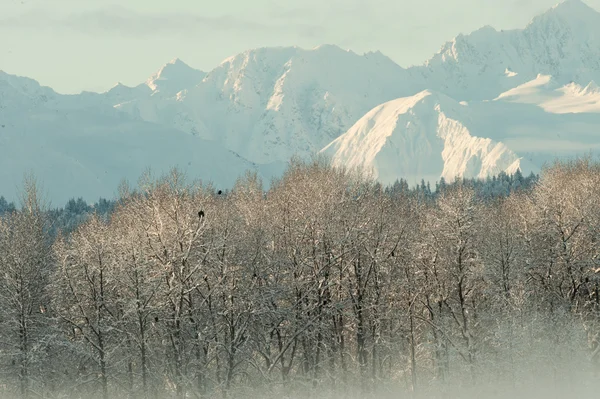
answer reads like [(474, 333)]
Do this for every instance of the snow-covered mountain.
[(487, 101), (88, 150), (91, 162), (421, 135), (17, 93), (429, 135), (563, 42), (174, 77), (271, 103)]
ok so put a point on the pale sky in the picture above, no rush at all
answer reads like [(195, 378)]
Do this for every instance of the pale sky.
[(74, 45)]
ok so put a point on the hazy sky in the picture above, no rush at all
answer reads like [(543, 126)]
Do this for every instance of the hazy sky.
[(74, 45)]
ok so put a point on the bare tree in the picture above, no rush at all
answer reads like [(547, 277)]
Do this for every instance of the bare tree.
[(84, 297), (25, 262)]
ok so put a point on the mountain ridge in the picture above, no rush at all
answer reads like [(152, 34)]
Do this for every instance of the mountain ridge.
[(393, 136), (266, 105)]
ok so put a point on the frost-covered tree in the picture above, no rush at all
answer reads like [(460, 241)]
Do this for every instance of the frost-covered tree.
[(25, 263), (325, 283)]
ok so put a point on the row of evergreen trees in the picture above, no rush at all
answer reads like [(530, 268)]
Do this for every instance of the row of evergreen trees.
[(490, 188)]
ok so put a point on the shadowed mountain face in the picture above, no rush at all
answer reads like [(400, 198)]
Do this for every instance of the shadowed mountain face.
[(487, 102)]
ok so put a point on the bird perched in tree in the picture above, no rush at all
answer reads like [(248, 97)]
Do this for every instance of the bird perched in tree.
[(201, 214), (219, 192)]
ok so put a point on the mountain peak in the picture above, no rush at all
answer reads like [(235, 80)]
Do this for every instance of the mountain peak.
[(328, 47), (175, 61), (571, 5), (174, 76), (174, 67), (572, 11), (424, 137), (591, 88)]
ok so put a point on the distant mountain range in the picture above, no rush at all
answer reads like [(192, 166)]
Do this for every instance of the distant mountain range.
[(487, 102)]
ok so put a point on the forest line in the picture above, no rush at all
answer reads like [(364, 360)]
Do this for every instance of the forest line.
[(324, 284)]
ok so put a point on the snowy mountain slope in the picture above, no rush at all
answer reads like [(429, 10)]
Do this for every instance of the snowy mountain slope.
[(155, 100), (563, 42), (423, 136), (271, 103), (533, 133), (87, 152), (484, 103), (546, 93), (430, 135), (170, 79), (18, 92), (425, 139)]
